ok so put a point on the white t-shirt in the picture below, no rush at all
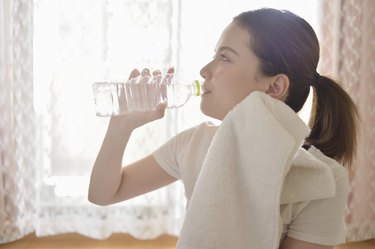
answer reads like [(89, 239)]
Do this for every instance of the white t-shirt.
[(318, 221)]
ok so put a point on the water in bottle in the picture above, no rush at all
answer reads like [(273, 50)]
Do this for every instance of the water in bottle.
[(115, 98)]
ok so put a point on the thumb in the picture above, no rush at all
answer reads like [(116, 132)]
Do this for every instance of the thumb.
[(160, 110), (158, 113)]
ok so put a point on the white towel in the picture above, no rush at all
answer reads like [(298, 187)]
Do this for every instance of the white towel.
[(236, 200)]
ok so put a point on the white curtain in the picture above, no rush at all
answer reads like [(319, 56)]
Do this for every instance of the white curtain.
[(17, 121), (51, 53), (348, 53), (49, 133)]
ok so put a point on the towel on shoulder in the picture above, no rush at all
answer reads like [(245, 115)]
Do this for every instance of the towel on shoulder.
[(237, 196)]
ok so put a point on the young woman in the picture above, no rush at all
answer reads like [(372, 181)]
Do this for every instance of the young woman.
[(267, 50)]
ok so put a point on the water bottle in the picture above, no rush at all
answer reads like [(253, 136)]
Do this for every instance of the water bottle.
[(116, 98)]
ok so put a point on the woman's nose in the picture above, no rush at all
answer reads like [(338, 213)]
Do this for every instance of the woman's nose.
[(204, 72)]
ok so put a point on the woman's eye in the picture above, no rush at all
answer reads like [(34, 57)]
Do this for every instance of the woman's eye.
[(220, 57), (223, 58)]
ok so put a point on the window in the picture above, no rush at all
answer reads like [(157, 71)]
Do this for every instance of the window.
[(80, 42)]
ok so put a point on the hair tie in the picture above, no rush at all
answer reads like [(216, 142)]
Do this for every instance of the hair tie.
[(316, 78)]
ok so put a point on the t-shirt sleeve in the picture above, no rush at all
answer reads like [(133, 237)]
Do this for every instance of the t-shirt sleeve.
[(167, 155), (322, 221)]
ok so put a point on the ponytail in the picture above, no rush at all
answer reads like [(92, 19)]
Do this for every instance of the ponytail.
[(333, 121)]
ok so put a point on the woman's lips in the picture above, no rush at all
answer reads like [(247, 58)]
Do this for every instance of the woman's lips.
[(205, 90)]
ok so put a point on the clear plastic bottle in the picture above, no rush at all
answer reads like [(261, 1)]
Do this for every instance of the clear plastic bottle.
[(113, 98)]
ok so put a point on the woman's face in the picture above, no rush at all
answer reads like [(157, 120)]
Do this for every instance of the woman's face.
[(232, 74)]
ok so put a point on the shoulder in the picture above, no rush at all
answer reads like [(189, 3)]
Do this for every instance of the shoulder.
[(192, 140), (205, 130), (321, 221), (201, 128), (201, 132), (339, 172)]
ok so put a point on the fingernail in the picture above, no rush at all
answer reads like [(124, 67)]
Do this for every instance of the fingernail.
[(171, 70), (156, 72), (145, 71)]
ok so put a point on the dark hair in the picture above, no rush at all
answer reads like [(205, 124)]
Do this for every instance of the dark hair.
[(285, 43)]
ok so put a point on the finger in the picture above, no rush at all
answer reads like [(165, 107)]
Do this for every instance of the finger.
[(160, 110), (135, 73), (156, 72), (170, 70), (145, 76), (168, 77), (156, 77), (145, 72)]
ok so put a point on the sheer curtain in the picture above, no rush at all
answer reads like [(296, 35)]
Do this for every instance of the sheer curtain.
[(17, 121), (348, 52), (51, 53), (77, 43), (49, 133)]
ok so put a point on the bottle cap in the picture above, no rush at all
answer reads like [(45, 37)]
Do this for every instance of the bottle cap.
[(198, 85)]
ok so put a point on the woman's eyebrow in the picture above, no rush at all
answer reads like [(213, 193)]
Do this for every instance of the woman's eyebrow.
[(229, 49)]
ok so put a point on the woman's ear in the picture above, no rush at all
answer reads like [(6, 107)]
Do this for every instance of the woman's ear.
[(279, 86)]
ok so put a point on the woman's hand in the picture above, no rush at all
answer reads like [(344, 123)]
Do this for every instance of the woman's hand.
[(136, 119)]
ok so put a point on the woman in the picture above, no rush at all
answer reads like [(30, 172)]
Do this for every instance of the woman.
[(266, 50)]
